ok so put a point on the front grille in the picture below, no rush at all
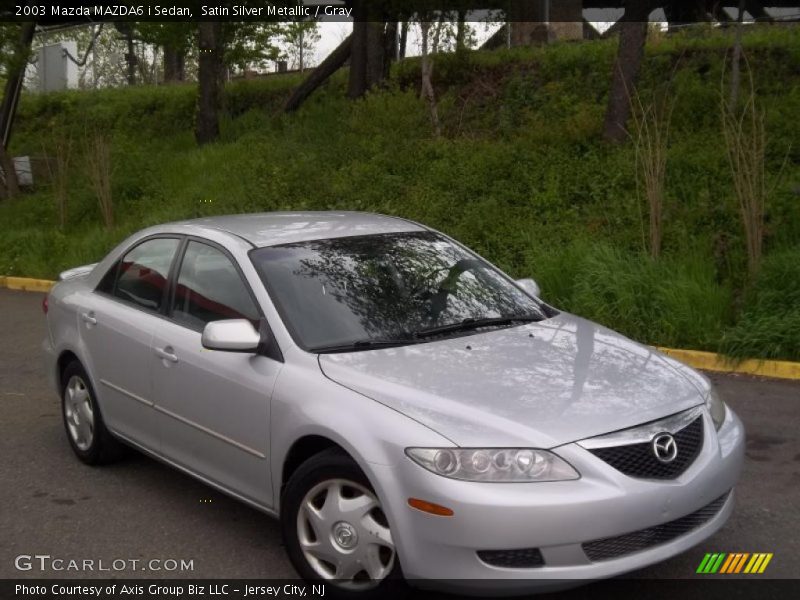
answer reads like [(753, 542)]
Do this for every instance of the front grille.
[(614, 547), (524, 558), (638, 460)]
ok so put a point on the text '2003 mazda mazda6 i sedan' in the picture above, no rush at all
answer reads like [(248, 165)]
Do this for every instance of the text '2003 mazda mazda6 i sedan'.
[(401, 404)]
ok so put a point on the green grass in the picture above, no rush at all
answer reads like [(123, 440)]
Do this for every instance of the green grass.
[(521, 175)]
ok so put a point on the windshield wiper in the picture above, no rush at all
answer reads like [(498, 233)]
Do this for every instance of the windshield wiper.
[(364, 345), (469, 324)]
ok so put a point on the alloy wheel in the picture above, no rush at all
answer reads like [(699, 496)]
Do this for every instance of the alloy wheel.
[(79, 413)]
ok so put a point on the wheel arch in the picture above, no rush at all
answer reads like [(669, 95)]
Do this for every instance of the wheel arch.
[(303, 449), (64, 359)]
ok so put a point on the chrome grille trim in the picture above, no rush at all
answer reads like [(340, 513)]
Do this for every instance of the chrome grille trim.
[(643, 433)]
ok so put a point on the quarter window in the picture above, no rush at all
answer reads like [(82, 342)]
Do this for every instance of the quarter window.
[(143, 272), (209, 288)]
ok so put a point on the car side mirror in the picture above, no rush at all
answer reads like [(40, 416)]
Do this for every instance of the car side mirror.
[(231, 335), (530, 286)]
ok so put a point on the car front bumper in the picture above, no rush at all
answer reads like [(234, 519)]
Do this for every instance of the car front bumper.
[(556, 518)]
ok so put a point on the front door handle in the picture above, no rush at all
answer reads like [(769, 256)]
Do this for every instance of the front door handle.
[(89, 318), (167, 354)]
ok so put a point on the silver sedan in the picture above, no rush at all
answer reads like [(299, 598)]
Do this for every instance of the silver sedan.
[(401, 405)]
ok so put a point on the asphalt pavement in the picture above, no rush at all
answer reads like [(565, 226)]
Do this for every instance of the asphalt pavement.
[(140, 510)]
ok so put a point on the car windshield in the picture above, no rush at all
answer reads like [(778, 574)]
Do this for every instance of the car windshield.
[(364, 291)]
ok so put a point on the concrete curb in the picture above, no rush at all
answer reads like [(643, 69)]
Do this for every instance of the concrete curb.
[(26, 284), (707, 361)]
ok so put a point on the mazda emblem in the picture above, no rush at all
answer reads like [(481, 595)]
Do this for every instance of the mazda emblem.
[(665, 448)]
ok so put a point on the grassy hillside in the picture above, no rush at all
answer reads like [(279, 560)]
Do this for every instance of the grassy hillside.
[(521, 174)]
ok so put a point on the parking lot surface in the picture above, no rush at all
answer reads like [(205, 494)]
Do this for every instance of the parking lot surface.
[(142, 510)]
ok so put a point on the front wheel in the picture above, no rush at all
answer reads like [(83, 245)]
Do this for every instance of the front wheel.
[(334, 527)]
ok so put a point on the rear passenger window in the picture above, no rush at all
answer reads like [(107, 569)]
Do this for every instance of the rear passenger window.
[(142, 273), (209, 288)]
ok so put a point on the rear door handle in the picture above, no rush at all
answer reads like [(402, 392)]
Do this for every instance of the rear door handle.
[(167, 354), (88, 318)]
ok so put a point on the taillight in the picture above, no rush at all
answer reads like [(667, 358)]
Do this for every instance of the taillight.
[(45, 305)]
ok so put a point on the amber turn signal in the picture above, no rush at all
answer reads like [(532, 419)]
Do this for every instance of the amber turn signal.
[(430, 507)]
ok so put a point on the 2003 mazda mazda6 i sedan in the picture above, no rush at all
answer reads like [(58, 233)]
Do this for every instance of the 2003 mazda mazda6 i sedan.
[(401, 404)]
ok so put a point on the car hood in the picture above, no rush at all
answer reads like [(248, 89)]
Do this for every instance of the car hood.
[(540, 384)]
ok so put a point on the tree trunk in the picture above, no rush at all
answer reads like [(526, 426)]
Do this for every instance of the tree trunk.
[(427, 91), (327, 67), (632, 37), (389, 47), (401, 52), (130, 57), (174, 65), (684, 12), (376, 50), (208, 99), (461, 30), (357, 82), (756, 10), (527, 23), (10, 181)]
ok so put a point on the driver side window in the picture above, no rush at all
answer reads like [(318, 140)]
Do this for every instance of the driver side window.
[(209, 288)]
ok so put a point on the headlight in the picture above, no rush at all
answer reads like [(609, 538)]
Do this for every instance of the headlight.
[(716, 407), (493, 464)]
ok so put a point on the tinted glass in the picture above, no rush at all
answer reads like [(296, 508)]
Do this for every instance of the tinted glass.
[(210, 289), (143, 272), (381, 287)]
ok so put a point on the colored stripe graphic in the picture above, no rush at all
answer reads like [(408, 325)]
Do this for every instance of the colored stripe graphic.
[(734, 562)]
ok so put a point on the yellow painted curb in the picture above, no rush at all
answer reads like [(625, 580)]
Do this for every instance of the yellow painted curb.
[(26, 284), (709, 361)]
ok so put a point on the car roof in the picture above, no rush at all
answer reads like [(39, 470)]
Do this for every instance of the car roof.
[(272, 228)]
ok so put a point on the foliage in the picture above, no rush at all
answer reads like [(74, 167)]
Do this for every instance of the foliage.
[(520, 173), (298, 40)]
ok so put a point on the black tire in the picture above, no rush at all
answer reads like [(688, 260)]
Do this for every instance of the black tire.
[(328, 465), (104, 447)]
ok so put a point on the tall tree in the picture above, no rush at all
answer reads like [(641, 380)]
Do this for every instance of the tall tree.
[(368, 48), (209, 93), (632, 37), (299, 39), (20, 42), (175, 39)]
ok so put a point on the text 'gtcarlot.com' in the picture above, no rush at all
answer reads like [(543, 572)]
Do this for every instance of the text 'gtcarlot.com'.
[(45, 562)]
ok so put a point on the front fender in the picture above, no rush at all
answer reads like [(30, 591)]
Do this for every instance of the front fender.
[(305, 402)]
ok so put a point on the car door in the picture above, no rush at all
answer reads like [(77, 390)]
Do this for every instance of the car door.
[(213, 406), (117, 324)]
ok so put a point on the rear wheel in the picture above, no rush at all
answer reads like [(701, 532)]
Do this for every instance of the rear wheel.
[(335, 529), (86, 431)]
